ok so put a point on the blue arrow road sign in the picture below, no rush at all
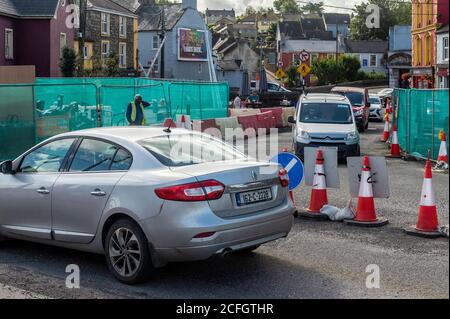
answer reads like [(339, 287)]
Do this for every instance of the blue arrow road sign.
[(293, 165)]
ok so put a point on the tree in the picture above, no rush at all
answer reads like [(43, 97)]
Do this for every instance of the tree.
[(328, 71), (391, 13), (313, 8), (112, 66), (68, 62), (287, 6), (350, 67)]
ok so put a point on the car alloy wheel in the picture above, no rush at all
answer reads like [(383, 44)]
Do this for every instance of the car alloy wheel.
[(125, 252)]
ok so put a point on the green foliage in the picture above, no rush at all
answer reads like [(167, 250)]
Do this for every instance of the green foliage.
[(68, 62), (328, 71), (112, 66), (291, 76), (362, 75), (287, 6), (350, 67), (391, 13), (313, 7)]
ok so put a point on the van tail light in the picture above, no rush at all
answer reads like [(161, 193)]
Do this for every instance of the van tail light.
[(284, 177), (192, 192)]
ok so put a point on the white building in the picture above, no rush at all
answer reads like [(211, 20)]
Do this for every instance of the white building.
[(442, 59)]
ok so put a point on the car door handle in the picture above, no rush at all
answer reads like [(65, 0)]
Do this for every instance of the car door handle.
[(43, 191), (98, 193)]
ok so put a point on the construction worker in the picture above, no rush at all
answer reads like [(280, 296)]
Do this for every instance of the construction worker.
[(135, 111)]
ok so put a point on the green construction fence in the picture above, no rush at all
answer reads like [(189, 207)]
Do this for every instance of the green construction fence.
[(31, 113), (421, 115)]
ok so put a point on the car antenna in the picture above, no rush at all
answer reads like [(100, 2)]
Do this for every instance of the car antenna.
[(168, 130)]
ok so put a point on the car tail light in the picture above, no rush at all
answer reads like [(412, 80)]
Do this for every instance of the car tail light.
[(284, 177), (205, 235), (192, 192)]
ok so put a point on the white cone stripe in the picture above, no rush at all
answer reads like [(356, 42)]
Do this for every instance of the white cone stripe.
[(319, 181), (443, 149), (386, 126), (394, 138), (427, 198), (365, 188)]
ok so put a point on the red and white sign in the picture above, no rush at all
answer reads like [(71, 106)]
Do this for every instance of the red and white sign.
[(304, 56)]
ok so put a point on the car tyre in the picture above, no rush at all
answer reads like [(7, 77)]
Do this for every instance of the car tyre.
[(361, 129), (127, 253)]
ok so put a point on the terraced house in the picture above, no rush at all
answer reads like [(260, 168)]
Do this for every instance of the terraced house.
[(111, 30)]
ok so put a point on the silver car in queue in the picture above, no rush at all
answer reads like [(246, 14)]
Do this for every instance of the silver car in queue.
[(124, 193)]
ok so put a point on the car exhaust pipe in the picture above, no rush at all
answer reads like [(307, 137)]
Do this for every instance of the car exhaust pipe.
[(225, 252)]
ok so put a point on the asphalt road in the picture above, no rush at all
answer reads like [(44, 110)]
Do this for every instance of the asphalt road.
[(317, 260)]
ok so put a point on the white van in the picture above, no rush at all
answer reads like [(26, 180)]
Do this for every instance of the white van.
[(325, 120)]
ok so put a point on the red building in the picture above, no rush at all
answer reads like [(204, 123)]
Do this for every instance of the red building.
[(427, 17), (33, 32)]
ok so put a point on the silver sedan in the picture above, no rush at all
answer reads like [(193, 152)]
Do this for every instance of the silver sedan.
[(143, 197)]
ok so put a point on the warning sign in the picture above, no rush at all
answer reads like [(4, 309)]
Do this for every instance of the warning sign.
[(304, 69), (280, 74)]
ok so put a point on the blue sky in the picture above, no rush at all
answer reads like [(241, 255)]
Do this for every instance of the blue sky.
[(240, 5)]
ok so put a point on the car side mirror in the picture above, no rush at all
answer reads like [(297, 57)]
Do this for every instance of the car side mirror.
[(291, 120), (7, 168)]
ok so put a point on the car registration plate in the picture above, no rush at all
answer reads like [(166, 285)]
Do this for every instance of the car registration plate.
[(252, 197)]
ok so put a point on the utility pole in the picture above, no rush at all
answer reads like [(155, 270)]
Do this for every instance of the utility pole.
[(82, 33), (162, 37), (337, 41)]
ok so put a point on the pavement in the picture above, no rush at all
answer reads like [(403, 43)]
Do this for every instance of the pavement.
[(316, 260)]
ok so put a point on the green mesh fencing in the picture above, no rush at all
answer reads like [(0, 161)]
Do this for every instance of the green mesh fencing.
[(31, 113), (422, 114)]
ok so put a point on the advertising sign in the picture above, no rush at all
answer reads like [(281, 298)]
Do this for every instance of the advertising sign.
[(192, 45)]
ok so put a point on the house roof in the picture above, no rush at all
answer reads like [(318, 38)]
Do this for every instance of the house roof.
[(443, 29), (228, 65), (336, 18), (322, 35), (29, 8), (110, 6), (223, 12), (131, 5), (150, 19), (366, 46), (312, 46), (291, 29), (271, 16), (312, 22)]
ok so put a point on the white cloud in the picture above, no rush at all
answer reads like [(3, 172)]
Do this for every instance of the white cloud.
[(239, 6)]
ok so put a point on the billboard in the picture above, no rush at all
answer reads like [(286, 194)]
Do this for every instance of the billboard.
[(192, 45)]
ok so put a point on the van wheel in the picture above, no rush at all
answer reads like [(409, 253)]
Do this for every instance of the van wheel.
[(127, 252)]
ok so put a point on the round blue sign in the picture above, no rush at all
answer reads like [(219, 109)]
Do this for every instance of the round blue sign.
[(293, 165)]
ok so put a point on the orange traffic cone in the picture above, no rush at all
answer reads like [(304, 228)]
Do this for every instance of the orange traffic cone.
[(365, 211), (319, 196), (427, 221), (395, 147), (442, 157), (386, 128)]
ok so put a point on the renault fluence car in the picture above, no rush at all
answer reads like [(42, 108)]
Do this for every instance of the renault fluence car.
[(325, 120), (143, 197)]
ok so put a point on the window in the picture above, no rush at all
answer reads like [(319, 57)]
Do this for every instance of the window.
[(123, 27), (373, 60), (47, 158), (9, 44), (106, 20), (445, 48), (122, 161), (418, 51), (329, 113), (96, 156), (155, 42), (62, 41), (105, 50), (86, 53), (123, 55)]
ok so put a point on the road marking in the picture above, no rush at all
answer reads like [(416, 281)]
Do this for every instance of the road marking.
[(9, 292), (290, 165)]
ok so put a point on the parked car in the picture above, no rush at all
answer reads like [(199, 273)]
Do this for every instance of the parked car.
[(359, 98), (376, 107), (272, 87), (325, 120), (124, 193)]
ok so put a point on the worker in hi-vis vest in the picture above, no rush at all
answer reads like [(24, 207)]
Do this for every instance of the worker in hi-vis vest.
[(135, 111)]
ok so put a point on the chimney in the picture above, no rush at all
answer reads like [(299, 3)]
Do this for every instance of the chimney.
[(189, 4)]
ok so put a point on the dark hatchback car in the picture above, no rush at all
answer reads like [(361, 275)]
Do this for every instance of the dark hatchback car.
[(359, 98)]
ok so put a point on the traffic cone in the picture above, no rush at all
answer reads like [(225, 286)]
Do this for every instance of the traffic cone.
[(365, 211), (443, 157), (319, 196), (395, 147), (427, 221), (386, 128)]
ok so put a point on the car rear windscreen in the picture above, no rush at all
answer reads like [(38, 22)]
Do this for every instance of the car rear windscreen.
[(326, 113), (189, 149), (356, 98)]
